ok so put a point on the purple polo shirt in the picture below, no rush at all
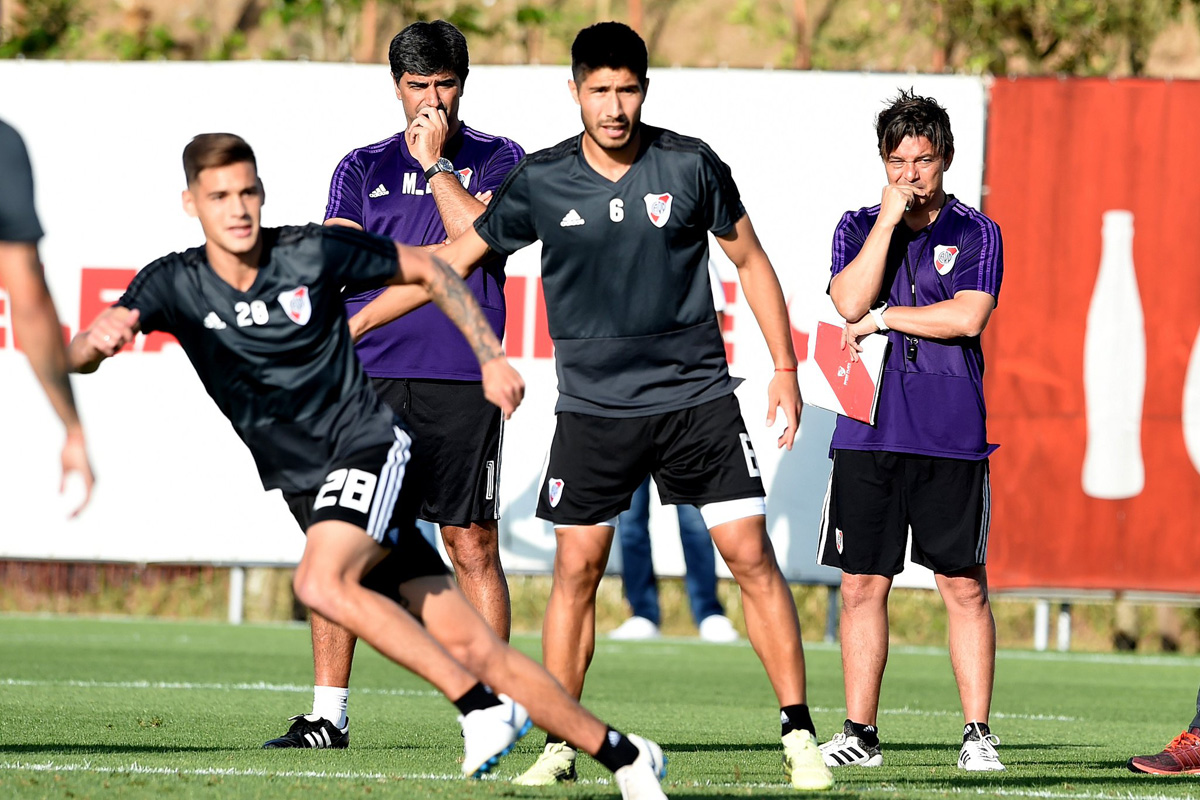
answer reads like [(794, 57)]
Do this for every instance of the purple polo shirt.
[(382, 188), (932, 406)]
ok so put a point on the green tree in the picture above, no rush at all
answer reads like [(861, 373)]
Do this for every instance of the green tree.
[(44, 28), (1074, 37)]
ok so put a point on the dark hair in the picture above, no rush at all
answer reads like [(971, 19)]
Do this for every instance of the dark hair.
[(912, 115), (608, 44), (208, 150), (427, 48)]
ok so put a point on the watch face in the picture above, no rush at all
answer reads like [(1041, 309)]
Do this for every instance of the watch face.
[(444, 165)]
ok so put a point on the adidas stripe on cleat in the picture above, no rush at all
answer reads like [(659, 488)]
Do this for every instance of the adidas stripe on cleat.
[(846, 749), (1180, 757), (978, 752), (312, 732)]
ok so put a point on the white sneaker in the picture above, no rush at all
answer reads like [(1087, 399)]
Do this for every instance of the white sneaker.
[(978, 752), (635, 629), (489, 733), (717, 628), (641, 779), (556, 764), (847, 750), (803, 763)]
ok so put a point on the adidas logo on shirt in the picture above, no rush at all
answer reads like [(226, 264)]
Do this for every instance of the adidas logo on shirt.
[(379, 191), (213, 322), (571, 219)]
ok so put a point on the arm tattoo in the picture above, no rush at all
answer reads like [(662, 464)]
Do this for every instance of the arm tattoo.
[(452, 296)]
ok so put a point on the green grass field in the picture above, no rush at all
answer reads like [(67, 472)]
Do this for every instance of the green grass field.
[(99, 708)]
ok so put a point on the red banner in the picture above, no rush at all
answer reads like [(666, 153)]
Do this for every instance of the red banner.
[(1091, 350)]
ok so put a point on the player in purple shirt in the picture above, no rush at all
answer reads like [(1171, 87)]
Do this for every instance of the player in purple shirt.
[(424, 187), (923, 269)]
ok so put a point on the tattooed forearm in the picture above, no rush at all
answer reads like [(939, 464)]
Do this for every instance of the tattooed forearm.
[(453, 297)]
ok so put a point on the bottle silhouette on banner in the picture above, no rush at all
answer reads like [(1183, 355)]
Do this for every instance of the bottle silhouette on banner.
[(1114, 369), (1191, 406)]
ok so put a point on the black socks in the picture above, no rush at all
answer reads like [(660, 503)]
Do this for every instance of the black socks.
[(867, 734), (796, 718), (616, 751), (476, 698)]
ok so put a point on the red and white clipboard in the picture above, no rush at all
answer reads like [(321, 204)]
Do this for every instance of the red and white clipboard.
[(837, 383)]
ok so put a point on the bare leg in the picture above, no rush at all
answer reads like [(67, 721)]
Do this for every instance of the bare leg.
[(864, 643), (475, 553), (336, 556), (972, 639), (333, 652), (470, 640), (772, 623), (569, 629)]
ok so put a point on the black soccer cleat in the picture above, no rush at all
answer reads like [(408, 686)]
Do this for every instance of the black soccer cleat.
[(306, 732)]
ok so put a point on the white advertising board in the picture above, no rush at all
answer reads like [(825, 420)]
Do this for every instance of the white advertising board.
[(175, 485)]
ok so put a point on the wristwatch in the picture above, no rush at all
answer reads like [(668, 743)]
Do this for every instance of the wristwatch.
[(877, 317), (441, 165)]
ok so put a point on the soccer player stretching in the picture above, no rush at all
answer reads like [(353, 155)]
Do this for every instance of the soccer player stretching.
[(259, 314)]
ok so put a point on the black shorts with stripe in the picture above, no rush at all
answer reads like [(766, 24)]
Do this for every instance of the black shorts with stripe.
[(696, 456), (369, 490), (875, 498), (457, 436)]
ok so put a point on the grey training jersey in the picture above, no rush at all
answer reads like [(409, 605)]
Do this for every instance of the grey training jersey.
[(278, 358), (624, 270), (18, 220)]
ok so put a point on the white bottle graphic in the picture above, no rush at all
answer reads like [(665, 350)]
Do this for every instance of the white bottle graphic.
[(1114, 369), (1191, 406)]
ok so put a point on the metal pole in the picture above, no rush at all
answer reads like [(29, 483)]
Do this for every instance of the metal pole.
[(1041, 625), (237, 594)]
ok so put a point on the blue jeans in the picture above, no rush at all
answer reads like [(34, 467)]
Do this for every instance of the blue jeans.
[(641, 587)]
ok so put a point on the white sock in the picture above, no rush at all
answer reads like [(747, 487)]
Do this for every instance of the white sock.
[(330, 702)]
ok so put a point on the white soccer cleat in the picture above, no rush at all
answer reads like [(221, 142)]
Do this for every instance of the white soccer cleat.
[(641, 780), (978, 752), (635, 629), (718, 629), (847, 750), (556, 764), (489, 733), (803, 762)]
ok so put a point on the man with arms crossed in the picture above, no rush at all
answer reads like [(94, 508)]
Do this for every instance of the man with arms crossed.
[(623, 211), (34, 318), (925, 269), (418, 188), (259, 314)]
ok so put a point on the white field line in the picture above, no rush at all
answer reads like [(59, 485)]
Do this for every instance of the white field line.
[(882, 789), (218, 687), (297, 689), (916, 712)]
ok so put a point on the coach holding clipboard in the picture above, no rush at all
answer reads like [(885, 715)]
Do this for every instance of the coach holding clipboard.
[(925, 269)]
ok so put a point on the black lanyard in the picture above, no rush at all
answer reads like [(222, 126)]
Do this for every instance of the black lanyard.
[(910, 342)]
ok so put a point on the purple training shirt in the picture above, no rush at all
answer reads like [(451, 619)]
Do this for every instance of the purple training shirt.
[(934, 405), (382, 188)]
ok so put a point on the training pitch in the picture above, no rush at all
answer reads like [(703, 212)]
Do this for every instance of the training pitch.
[(99, 708)]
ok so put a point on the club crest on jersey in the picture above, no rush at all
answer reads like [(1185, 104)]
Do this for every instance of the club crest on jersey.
[(658, 208), (297, 305), (943, 257), (464, 176), (554, 488)]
